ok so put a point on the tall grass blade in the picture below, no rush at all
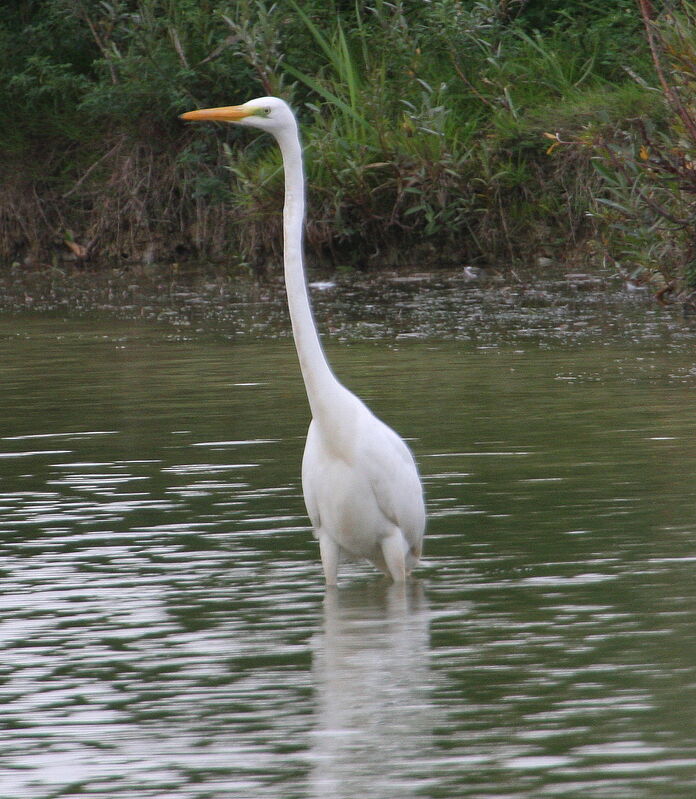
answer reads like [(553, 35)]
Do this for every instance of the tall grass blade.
[(327, 95)]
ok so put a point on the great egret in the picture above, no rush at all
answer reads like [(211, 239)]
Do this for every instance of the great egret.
[(360, 482)]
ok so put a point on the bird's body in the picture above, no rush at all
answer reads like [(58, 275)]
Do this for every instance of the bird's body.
[(365, 499), (359, 479)]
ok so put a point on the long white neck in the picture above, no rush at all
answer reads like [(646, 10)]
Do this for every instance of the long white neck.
[(323, 390)]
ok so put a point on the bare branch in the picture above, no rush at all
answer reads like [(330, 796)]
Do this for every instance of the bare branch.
[(647, 13)]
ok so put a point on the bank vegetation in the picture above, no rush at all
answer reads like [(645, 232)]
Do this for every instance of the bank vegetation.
[(457, 132)]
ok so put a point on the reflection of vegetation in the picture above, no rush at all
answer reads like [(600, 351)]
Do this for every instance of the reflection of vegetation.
[(423, 122)]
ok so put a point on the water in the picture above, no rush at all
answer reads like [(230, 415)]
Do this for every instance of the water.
[(164, 627)]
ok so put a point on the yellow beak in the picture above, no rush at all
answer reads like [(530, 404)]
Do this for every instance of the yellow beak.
[(229, 113)]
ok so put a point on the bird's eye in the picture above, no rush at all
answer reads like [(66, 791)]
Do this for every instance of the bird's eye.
[(267, 111)]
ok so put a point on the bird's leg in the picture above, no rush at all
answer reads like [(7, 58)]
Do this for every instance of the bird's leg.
[(393, 551), (330, 555)]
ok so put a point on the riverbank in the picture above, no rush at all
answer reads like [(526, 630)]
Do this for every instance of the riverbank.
[(440, 136)]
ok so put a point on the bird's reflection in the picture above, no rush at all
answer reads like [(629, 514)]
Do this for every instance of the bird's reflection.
[(373, 731)]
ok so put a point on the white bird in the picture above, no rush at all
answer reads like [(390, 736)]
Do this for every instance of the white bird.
[(360, 481)]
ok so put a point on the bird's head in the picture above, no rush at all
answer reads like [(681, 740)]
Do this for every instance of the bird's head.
[(267, 113)]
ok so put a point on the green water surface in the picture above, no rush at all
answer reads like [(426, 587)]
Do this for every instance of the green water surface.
[(165, 630)]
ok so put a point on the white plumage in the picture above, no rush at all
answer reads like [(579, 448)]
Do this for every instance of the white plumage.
[(360, 482)]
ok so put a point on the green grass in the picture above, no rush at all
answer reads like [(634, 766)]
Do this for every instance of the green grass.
[(423, 125)]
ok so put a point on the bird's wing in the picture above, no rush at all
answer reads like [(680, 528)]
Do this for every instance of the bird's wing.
[(393, 477)]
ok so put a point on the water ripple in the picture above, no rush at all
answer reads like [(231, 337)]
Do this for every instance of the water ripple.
[(165, 632)]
